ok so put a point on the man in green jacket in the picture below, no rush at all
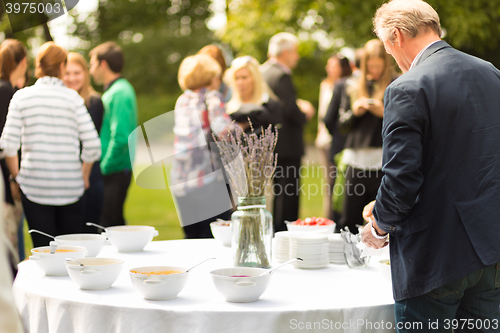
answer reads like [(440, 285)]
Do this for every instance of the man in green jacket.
[(120, 119)]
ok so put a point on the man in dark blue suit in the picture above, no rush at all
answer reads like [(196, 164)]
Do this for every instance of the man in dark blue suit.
[(439, 197)]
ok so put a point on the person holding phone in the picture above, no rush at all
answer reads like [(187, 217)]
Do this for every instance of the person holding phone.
[(363, 147)]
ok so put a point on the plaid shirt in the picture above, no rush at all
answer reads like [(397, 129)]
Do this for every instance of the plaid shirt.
[(197, 115)]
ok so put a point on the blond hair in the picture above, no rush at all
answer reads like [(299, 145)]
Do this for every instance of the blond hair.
[(260, 87), (49, 59), (412, 17), (86, 91), (197, 71), (375, 49)]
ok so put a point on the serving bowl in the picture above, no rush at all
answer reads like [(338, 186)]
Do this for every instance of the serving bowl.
[(96, 273), (309, 225), (54, 264), (92, 242), (241, 284), (222, 232), (154, 284), (130, 238)]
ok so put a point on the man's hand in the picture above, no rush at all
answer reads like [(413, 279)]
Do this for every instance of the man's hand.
[(307, 108), (366, 234)]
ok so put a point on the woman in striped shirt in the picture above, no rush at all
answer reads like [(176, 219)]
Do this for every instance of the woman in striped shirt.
[(50, 120)]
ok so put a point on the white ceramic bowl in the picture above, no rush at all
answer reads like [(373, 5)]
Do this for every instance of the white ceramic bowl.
[(54, 264), (324, 229), (221, 232), (92, 242), (236, 288), (159, 287), (385, 268), (96, 274), (130, 238)]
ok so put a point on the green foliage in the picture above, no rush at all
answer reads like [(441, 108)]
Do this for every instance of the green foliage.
[(151, 106)]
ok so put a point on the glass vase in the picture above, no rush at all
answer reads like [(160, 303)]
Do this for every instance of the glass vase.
[(251, 233)]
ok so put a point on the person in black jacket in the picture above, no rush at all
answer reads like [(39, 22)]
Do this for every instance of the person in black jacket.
[(283, 57), (251, 97), (438, 198), (362, 119), (13, 66), (77, 77)]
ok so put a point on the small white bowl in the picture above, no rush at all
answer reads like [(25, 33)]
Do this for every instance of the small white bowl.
[(158, 287), (96, 273), (130, 238), (92, 242), (221, 232), (54, 264), (384, 267), (241, 284)]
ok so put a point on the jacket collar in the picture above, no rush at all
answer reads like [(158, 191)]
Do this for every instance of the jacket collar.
[(431, 50)]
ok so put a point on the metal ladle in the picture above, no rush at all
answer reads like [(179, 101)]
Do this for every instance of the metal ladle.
[(73, 259), (279, 266), (53, 245), (198, 264), (95, 225)]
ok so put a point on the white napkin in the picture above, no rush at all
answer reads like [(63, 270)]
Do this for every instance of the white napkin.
[(371, 252)]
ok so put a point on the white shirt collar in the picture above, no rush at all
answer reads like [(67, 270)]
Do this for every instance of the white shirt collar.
[(421, 52)]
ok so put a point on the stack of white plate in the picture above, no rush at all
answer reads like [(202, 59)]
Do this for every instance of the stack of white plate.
[(336, 249), (281, 242), (311, 247)]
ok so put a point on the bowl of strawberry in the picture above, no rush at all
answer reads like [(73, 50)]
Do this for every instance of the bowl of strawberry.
[(316, 224)]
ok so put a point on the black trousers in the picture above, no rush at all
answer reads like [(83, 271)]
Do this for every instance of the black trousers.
[(115, 192), (53, 220), (94, 197), (360, 189), (286, 192)]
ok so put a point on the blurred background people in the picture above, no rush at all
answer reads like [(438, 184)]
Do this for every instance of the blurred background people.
[(77, 77), (120, 119), (216, 52), (50, 121), (13, 68), (337, 67), (363, 147), (283, 57), (10, 321), (251, 97), (193, 178)]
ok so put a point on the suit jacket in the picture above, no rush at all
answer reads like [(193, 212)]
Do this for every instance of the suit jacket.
[(290, 136), (332, 117), (439, 196)]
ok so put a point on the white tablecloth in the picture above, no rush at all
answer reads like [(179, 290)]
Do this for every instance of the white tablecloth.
[(333, 299)]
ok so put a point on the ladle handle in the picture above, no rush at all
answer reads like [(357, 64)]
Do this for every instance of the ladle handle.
[(198, 264), (41, 233), (281, 265), (95, 225)]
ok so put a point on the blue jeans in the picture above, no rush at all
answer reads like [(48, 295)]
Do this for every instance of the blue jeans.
[(469, 304)]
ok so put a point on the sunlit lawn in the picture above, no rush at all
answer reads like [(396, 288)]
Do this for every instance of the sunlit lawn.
[(156, 207)]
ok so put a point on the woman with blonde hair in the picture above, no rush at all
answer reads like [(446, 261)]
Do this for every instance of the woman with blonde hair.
[(362, 117), (252, 98), (77, 77), (196, 178), (50, 121)]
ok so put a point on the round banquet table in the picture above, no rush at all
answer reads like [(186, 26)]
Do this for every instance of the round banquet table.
[(332, 299)]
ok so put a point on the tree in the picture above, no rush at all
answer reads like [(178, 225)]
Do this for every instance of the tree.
[(155, 36)]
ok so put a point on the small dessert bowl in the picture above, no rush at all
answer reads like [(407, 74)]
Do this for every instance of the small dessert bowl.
[(130, 238), (159, 283), (92, 242), (96, 273), (241, 284), (222, 232), (53, 264)]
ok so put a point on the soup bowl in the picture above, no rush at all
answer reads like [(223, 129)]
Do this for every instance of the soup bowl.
[(159, 283), (96, 273), (54, 264), (130, 238), (241, 284)]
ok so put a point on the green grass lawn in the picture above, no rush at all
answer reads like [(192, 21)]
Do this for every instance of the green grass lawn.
[(156, 208)]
